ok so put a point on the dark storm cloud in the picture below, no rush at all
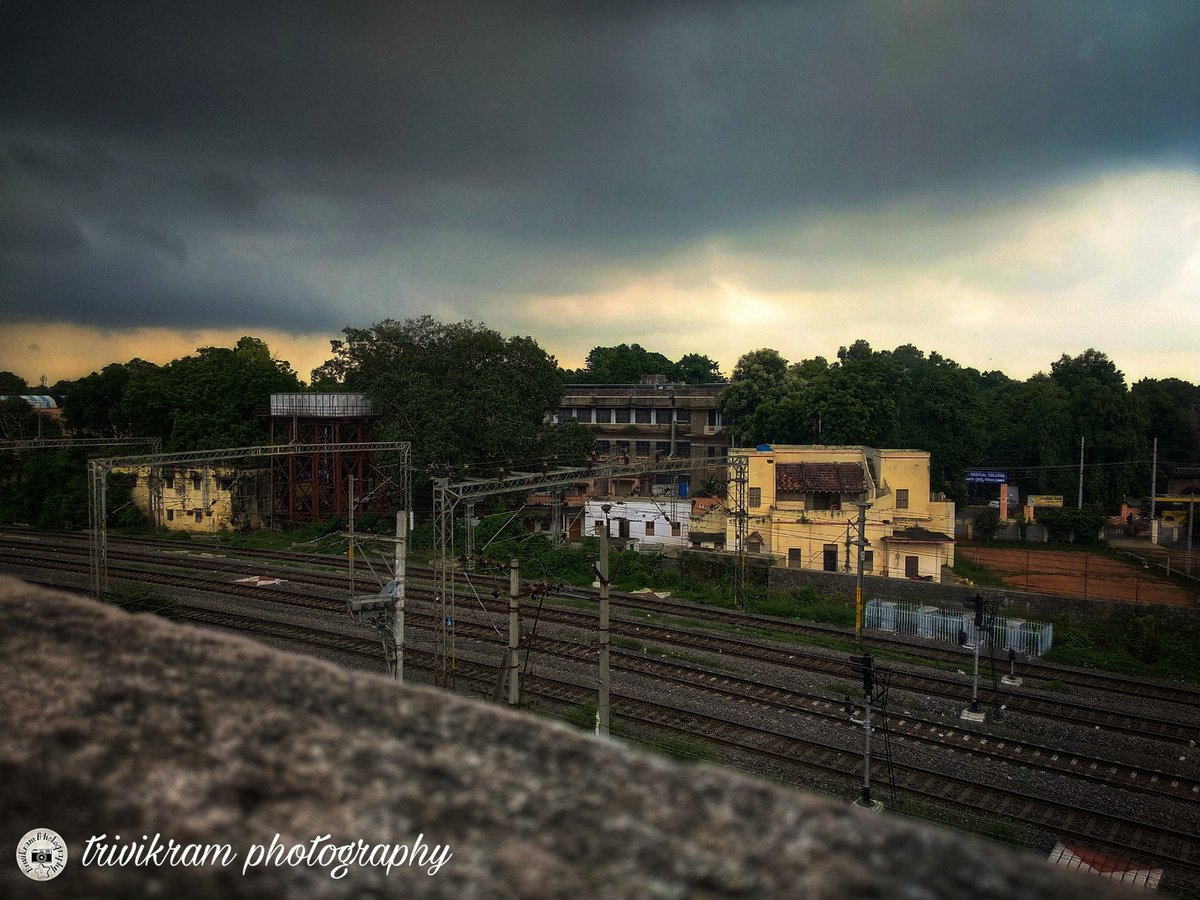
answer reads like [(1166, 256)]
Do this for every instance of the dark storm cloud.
[(525, 146)]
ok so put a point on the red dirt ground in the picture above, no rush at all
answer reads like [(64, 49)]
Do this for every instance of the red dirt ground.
[(1078, 574)]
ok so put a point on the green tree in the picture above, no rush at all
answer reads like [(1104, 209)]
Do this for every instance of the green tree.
[(12, 384), (757, 378), (92, 405), (696, 368), (1172, 415), (462, 393), (17, 419), (623, 364), (214, 398), (202, 402), (1111, 422)]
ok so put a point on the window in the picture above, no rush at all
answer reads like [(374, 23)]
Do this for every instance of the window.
[(642, 416), (912, 567), (755, 498), (868, 561), (604, 448), (641, 448), (199, 515), (676, 529), (795, 560), (649, 529), (683, 415), (621, 416), (710, 450), (599, 527), (170, 515), (901, 498), (663, 447), (683, 448), (662, 416), (714, 417), (604, 415), (195, 481), (623, 448), (830, 561), (169, 481)]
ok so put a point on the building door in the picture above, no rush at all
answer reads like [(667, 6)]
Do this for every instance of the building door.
[(911, 567), (795, 560), (623, 528), (831, 557)]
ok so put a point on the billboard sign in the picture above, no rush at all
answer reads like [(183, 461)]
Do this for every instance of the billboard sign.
[(1045, 500), (981, 476)]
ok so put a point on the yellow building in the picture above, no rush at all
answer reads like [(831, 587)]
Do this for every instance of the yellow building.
[(201, 498), (801, 502)]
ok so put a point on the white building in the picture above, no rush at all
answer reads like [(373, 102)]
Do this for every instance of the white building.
[(651, 521)]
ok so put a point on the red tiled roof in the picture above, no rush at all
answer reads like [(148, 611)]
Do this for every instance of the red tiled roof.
[(838, 478)]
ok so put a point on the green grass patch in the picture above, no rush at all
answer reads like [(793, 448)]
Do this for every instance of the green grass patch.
[(1128, 641), (140, 598), (678, 747), (980, 575), (1053, 684), (624, 643), (984, 826)]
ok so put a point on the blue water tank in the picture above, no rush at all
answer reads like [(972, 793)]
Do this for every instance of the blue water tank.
[(762, 447), (683, 489)]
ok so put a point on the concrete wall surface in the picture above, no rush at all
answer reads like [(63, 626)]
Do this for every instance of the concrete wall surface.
[(130, 725)]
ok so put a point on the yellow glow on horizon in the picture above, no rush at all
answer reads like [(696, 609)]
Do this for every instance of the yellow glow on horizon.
[(64, 351)]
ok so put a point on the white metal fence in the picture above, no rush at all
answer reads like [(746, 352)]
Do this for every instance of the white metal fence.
[(957, 626)]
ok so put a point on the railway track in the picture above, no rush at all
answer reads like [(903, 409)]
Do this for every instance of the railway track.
[(1149, 840), (325, 569), (739, 689)]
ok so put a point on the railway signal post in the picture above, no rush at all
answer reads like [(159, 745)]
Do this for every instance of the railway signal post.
[(868, 680), (974, 714)]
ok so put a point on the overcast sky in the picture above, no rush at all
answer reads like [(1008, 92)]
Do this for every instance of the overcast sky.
[(999, 181)]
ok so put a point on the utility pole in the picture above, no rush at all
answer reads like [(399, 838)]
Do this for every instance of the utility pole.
[(602, 708), (1153, 491), (1191, 517), (863, 506), (399, 575), (351, 524), (1080, 506), (514, 592)]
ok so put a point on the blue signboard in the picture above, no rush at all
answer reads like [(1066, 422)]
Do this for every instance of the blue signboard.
[(979, 476)]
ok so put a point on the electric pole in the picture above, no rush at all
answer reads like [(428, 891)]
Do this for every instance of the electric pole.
[(863, 506), (399, 575), (514, 592), (1080, 504), (602, 711), (1153, 490)]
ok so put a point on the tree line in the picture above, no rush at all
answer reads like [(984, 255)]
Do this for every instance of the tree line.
[(466, 395), (970, 419)]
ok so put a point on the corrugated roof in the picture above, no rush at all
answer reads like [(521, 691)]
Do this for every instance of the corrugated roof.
[(839, 478)]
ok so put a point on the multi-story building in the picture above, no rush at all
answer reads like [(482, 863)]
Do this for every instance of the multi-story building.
[(802, 507), (653, 418), (201, 498)]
